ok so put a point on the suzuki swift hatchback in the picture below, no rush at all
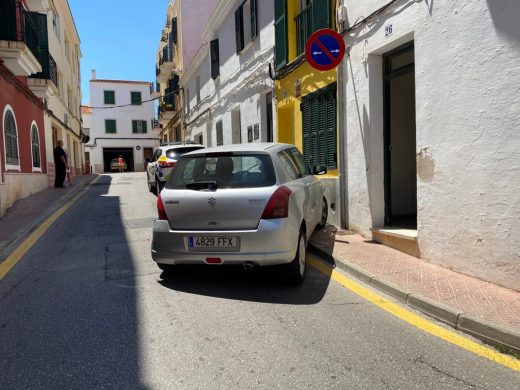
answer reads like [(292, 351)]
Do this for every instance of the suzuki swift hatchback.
[(249, 204)]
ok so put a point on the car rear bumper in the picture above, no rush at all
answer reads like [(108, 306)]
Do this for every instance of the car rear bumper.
[(273, 242)]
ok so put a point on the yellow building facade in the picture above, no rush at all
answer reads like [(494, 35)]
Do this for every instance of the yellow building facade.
[(306, 103)]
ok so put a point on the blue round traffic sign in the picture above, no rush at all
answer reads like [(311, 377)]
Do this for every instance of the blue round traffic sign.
[(325, 49)]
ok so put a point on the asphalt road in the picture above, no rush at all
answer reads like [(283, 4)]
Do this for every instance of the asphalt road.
[(87, 308)]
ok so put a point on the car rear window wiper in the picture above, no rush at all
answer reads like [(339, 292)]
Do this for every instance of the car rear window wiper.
[(202, 185)]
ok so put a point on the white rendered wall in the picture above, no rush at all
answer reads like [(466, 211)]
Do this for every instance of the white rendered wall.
[(124, 137), (242, 84), (467, 73)]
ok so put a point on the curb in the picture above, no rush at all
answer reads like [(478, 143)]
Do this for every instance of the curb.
[(9, 245), (487, 332)]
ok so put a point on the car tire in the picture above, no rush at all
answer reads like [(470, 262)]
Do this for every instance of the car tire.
[(167, 267), (295, 270), (151, 188), (324, 214)]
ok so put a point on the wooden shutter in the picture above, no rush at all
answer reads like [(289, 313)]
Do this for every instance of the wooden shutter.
[(254, 23), (280, 33), (40, 21), (35, 141), (174, 30), (215, 64), (11, 144), (239, 30), (331, 144), (144, 128), (306, 130), (134, 127), (320, 14)]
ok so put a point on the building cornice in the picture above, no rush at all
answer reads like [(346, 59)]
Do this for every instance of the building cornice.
[(221, 10)]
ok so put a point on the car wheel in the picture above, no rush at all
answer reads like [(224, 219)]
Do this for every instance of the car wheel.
[(296, 269), (324, 215), (167, 267)]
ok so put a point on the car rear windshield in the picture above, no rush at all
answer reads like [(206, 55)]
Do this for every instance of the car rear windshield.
[(177, 152), (223, 171)]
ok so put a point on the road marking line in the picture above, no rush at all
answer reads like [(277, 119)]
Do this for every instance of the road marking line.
[(414, 319), (27, 244)]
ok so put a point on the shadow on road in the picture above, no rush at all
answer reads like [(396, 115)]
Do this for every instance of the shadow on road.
[(263, 284)]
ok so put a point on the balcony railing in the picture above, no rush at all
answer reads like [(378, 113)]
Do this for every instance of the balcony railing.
[(49, 69), (303, 27), (16, 25), (166, 55)]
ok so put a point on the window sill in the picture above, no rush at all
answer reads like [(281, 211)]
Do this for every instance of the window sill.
[(12, 168)]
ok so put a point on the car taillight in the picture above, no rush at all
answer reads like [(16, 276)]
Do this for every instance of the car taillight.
[(166, 164), (160, 209), (278, 205)]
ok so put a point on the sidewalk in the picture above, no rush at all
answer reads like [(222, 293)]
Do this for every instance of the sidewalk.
[(485, 310), (27, 214)]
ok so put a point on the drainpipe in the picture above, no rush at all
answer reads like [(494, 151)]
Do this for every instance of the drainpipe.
[(342, 141)]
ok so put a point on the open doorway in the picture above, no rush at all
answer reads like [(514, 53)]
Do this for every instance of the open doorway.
[(400, 138)]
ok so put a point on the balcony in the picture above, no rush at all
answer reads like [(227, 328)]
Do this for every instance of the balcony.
[(304, 28), (156, 126), (19, 39), (166, 64), (166, 113), (45, 83)]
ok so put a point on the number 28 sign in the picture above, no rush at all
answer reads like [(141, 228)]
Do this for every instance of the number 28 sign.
[(325, 49)]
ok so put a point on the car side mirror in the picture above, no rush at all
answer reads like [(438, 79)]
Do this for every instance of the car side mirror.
[(319, 170)]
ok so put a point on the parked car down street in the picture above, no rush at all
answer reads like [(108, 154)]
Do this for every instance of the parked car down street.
[(247, 204), (164, 159)]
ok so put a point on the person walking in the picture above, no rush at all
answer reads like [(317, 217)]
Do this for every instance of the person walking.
[(60, 165), (120, 163)]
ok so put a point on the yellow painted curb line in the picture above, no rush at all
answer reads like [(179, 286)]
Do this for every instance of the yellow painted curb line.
[(24, 247), (414, 319)]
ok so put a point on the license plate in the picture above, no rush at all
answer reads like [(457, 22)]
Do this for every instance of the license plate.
[(214, 242)]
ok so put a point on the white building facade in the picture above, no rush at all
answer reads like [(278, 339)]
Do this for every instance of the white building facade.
[(431, 112), (228, 91), (59, 83), (121, 122)]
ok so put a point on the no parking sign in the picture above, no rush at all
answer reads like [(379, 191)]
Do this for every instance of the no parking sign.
[(325, 49)]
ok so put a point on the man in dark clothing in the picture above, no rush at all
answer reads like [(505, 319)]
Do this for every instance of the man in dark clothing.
[(60, 163)]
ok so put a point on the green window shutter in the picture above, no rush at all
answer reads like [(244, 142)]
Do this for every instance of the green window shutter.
[(110, 126), (280, 33), (134, 127), (174, 30), (254, 24), (40, 21), (331, 144), (320, 14), (215, 61), (306, 129), (239, 30), (135, 98), (144, 127), (110, 97)]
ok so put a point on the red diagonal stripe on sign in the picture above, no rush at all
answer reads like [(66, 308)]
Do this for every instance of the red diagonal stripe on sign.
[(324, 49)]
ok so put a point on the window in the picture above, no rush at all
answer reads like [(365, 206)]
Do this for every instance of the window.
[(110, 97), (214, 54), (110, 126), (197, 81), (220, 134), (35, 143), (289, 165), (56, 25), (319, 127), (245, 24), (10, 139), (135, 98), (174, 30), (303, 167), (67, 49), (314, 15), (187, 101), (250, 134), (256, 131), (139, 127)]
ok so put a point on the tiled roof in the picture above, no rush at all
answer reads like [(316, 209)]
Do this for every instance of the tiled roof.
[(120, 81), (86, 110)]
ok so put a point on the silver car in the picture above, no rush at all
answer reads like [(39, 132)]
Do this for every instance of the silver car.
[(249, 204)]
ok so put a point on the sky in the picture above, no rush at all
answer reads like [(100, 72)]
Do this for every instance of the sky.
[(119, 38)]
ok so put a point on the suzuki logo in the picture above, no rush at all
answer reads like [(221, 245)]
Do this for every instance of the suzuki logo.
[(212, 202)]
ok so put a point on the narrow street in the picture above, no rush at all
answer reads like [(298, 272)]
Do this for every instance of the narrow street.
[(88, 308)]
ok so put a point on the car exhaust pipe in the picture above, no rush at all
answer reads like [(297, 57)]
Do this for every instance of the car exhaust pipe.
[(248, 265)]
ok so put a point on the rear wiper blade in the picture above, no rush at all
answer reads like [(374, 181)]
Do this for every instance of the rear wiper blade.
[(202, 185)]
